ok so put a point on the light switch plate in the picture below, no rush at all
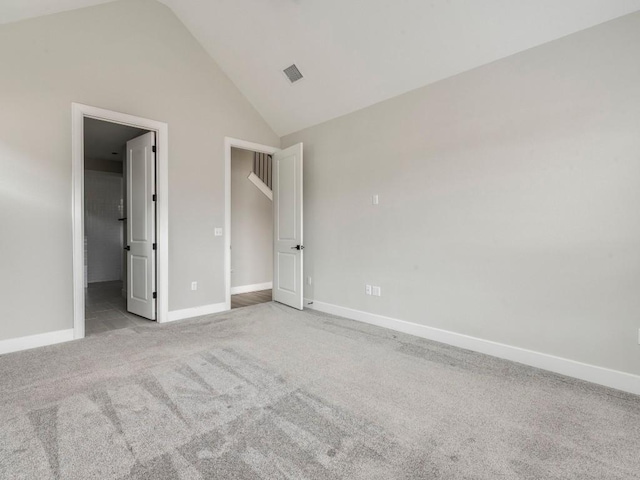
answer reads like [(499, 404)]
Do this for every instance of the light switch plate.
[(367, 289), (375, 199), (376, 291)]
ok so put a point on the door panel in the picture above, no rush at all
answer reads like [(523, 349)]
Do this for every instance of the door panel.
[(139, 287), (141, 215), (287, 262), (287, 244), (139, 200)]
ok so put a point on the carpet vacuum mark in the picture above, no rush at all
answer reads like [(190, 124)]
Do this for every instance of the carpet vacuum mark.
[(266, 392)]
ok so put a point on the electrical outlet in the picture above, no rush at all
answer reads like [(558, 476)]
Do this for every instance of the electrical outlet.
[(367, 289), (376, 291), (218, 231), (308, 280), (194, 286)]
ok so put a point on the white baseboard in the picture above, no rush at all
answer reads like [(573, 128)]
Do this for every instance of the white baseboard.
[(251, 288), (196, 311), (34, 341), (603, 376)]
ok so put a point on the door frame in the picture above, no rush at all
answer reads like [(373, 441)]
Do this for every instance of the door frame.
[(78, 113), (230, 143)]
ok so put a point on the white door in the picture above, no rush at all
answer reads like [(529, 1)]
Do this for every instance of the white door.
[(287, 231), (141, 226)]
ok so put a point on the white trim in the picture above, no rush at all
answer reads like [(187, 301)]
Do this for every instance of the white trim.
[(229, 143), (78, 113), (255, 179), (591, 373), (256, 287), (35, 341), (197, 311)]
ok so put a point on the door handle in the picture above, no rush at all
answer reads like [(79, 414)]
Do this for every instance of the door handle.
[(298, 247), (127, 247)]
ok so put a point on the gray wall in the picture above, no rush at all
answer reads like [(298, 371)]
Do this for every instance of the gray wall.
[(103, 205), (251, 225), (101, 165), (152, 68), (509, 201)]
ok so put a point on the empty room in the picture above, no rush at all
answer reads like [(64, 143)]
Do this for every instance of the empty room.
[(304, 239)]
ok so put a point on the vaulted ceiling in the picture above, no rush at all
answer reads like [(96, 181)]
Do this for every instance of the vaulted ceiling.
[(354, 53)]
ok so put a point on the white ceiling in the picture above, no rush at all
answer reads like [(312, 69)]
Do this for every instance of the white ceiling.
[(14, 10), (354, 53)]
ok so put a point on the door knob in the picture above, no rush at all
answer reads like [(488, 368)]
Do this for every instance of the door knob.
[(298, 247)]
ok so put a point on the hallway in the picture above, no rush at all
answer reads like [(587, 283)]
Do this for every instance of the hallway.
[(106, 309), (252, 298)]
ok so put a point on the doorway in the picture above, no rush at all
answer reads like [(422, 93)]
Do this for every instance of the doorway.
[(287, 218), (251, 227), (106, 230), (119, 170)]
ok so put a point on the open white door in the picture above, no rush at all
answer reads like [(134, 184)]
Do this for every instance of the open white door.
[(287, 231), (141, 226)]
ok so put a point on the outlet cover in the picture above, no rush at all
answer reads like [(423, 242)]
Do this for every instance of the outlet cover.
[(218, 231), (194, 286), (367, 289), (309, 280)]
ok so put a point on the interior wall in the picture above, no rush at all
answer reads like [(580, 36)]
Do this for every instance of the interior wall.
[(101, 165), (103, 205), (508, 201), (251, 225), (152, 68)]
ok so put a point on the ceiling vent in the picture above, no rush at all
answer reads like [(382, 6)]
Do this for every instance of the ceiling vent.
[(293, 74)]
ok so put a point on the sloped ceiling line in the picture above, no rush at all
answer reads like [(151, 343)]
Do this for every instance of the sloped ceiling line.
[(355, 53)]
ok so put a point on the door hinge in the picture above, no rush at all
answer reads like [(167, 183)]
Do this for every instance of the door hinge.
[(153, 149), (154, 246), (155, 294), (154, 198)]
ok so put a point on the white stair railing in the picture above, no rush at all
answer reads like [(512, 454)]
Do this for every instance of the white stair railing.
[(262, 174), (253, 178), (262, 167)]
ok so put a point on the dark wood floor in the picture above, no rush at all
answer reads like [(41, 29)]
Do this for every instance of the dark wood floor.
[(253, 298)]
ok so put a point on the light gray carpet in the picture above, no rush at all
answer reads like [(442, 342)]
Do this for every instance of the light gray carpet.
[(266, 392)]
